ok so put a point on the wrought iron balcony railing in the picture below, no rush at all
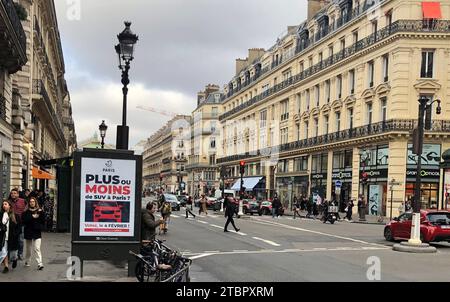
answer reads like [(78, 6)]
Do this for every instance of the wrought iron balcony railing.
[(439, 26), (358, 132), (2, 107), (15, 21)]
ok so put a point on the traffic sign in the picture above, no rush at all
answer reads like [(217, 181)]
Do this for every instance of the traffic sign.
[(338, 184)]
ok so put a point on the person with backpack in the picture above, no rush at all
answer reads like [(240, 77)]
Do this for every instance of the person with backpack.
[(33, 220), (166, 210)]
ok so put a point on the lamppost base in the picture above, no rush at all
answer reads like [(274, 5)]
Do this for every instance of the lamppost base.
[(421, 248)]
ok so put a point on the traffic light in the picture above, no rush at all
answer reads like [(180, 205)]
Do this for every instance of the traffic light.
[(364, 177), (242, 167)]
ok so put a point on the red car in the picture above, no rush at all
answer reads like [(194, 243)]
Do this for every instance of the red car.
[(434, 226), (107, 212)]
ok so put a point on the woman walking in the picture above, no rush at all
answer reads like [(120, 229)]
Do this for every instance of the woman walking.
[(9, 235), (33, 219)]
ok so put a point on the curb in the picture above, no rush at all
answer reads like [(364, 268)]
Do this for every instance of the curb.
[(419, 249)]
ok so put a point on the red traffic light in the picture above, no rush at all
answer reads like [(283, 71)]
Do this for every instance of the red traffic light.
[(242, 163)]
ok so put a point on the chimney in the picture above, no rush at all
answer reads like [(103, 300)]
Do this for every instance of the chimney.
[(315, 6), (211, 88), (255, 53), (241, 64)]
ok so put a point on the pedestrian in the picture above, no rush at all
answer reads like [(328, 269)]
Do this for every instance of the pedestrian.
[(9, 235), (19, 206), (41, 198), (349, 210), (296, 207), (149, 224), (276, 205), (33, 221), (303, 203), (361, 208), (229, 213), (309, 207), (203, 204), (27, 196), (166, 211), (189, 210)]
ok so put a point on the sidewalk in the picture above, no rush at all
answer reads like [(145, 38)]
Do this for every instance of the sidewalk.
[(55, 252), (370, 219)]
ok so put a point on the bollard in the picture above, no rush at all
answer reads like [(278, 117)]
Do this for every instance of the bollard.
[(221, 206), (241, 207)]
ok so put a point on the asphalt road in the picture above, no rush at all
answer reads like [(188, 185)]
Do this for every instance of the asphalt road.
[(285, 249)]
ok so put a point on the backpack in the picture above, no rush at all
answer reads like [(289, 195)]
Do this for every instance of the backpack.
[(166, 209)]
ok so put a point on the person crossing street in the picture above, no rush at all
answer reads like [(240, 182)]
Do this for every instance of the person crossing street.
[(229, 213), (189, 205)]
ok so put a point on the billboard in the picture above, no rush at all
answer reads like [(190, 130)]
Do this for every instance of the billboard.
[(107, 197)]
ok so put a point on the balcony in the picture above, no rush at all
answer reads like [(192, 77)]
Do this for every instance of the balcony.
[(407, 126), (44, 103), (13, 41), (440, 26)]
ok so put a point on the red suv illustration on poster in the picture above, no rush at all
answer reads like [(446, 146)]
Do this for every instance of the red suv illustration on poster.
[(107, 212)]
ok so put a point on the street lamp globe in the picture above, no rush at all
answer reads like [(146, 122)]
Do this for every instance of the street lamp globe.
[(125, 48), (103, 127)]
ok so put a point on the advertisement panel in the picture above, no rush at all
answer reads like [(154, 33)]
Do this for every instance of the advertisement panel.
[(107, 197), (375, 200), (431, 155)]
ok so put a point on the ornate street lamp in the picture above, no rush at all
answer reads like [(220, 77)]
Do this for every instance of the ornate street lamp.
[(125, 50), (103, 129)]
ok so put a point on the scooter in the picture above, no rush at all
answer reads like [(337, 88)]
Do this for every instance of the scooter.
[(331, 214)]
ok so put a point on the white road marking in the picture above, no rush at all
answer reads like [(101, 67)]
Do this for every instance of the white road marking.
[(267, 241), (204, 222), (240, 251), (174, 216), (199, 256), (211, 252), (239, 233), (216, 226), (317, 232)]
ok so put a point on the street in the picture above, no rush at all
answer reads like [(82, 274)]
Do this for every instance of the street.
[(284, 249)]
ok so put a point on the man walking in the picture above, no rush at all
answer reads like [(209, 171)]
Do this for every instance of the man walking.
[(19, 206), (276, 205), (229, 212), (296, 207), (189, 210)]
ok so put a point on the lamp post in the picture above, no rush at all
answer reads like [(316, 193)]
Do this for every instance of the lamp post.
[(125, 50), (424, 105), (392, 183), (364, 178), (103, 129)]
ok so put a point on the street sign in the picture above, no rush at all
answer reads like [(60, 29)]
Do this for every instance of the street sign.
[(182, 185), (338, 184)]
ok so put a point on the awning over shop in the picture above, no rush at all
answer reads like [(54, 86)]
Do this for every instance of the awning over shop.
[(431, 10), (249, 183), (39, 174)]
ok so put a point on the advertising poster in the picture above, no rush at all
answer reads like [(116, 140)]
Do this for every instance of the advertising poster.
[(107, 197), (374, 200), (431, 155)]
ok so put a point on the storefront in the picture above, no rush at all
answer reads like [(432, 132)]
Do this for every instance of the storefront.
[(374, 178), (5, 166), (319, 176), (289, 187), (342, 177), (430, 175), (255, 186)]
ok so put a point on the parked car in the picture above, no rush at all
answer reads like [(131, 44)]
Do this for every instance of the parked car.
[(107, 212), (434, 226), (265, 208), (174, 203), (251, 207)]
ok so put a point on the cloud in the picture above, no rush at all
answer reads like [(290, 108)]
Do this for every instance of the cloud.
[(183, 45)]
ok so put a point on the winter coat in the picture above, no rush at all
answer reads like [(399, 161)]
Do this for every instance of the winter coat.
[(230, 209), (13, 235), (276, 203), (148, 226), (32, 226)]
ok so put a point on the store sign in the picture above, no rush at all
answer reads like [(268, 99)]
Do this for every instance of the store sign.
[(377, 173), (341, 175), (431, 155), (424, 173), (319, 176)]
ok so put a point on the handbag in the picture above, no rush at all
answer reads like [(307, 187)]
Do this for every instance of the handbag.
[(3, 228)]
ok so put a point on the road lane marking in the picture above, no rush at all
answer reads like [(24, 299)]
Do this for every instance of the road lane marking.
[(317, 232), (174, 216), (200, 256), (239, 233), (204, 222), (216, 226), (267, 241)]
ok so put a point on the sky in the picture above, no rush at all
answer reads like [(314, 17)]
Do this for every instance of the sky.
[(183, 46)]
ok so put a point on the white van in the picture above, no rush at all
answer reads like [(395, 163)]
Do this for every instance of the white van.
[(231, 193)]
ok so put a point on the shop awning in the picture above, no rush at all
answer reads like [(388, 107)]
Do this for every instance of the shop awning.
[(40, 174), (249, 183), (431, 10)]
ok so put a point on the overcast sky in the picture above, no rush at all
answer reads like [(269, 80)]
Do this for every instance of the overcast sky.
[(183, 45)]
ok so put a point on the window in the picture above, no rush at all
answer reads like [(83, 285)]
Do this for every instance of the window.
[(285, 110), (327, 90), (212, 142), (287, 75), (355, 36), (284, 135), (350, 118), (385, 67), (265, 88), (215, 111), (339, 86), (213, 126), (326, 124), (330, 50), (263, 119), (338, 121), (426, 69), (212, 160), (310, 62), (316, 127), (273, 113), (317, 94), (275, 81), (369, 113), (307, 99), (306, 129), (383, 109), (342, 44), (299, 102), (301, 163), (371, 72), (302, 66), (351, 79), (298, 132), (374, 27), (320, 57)]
